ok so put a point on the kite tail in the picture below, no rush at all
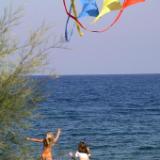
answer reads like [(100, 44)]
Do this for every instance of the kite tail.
[(73, 17), (67, 34), (75, 14)]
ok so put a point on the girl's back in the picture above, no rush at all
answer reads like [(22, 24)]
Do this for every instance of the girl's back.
[(83, 152), (82, 156)]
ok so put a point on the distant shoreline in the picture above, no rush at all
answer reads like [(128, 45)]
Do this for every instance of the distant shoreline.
[(72, 75)]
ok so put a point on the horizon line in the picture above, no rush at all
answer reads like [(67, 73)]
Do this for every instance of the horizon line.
[(95, 74)]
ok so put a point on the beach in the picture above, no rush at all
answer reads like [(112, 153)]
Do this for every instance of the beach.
[(117, 115)]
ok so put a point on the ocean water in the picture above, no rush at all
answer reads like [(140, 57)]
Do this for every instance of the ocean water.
[(117, 115)]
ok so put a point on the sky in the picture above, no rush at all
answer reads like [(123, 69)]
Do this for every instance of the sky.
[(132, 46)]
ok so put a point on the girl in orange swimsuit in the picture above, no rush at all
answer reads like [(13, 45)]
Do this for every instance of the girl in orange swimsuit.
[(48, 142)]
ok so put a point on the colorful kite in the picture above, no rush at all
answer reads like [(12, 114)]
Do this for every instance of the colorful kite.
[(90, 8), (108, 6)]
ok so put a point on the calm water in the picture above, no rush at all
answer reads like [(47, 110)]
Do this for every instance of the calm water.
[(117, 115)]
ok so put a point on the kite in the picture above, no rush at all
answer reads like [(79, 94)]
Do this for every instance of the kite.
[(75, 14), (108, 6), (90, 8)]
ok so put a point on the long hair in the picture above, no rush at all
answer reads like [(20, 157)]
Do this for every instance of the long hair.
[(82, 147), (49, 138)]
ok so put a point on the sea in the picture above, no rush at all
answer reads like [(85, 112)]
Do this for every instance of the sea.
[(117, 116)]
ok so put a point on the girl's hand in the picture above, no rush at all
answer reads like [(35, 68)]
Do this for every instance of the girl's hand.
[(59, 129), (70, 154), (27, 138)]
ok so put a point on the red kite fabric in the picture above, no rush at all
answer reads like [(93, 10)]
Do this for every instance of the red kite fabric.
[(131, 2), (126, 3)]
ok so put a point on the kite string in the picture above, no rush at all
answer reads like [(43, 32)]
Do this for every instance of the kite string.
[(102, 30)]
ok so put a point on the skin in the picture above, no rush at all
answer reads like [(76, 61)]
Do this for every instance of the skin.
[(47, 149)]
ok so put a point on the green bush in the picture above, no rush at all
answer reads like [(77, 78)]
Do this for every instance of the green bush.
[(19, 96)]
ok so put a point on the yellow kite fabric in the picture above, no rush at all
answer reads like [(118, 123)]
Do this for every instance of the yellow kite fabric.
[(108, 6), (75, 14)]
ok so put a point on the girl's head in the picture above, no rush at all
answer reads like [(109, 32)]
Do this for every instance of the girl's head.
[(82, 147), (49, 138)]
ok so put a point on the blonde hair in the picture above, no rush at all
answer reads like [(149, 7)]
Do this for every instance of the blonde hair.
[(49, 138)]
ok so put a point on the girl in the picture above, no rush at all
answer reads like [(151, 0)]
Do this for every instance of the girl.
[(49, 141), (83, 152)]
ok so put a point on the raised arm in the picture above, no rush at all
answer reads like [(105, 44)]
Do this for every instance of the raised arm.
[(34, 139), (57, 135), (89, 152)]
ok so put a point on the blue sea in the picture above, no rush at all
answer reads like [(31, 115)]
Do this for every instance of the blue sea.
[(118, 116)]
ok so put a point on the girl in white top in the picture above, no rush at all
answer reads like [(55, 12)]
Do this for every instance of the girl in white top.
[(83, 152)]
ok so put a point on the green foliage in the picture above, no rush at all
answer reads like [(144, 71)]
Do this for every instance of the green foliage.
[(19, 96)]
